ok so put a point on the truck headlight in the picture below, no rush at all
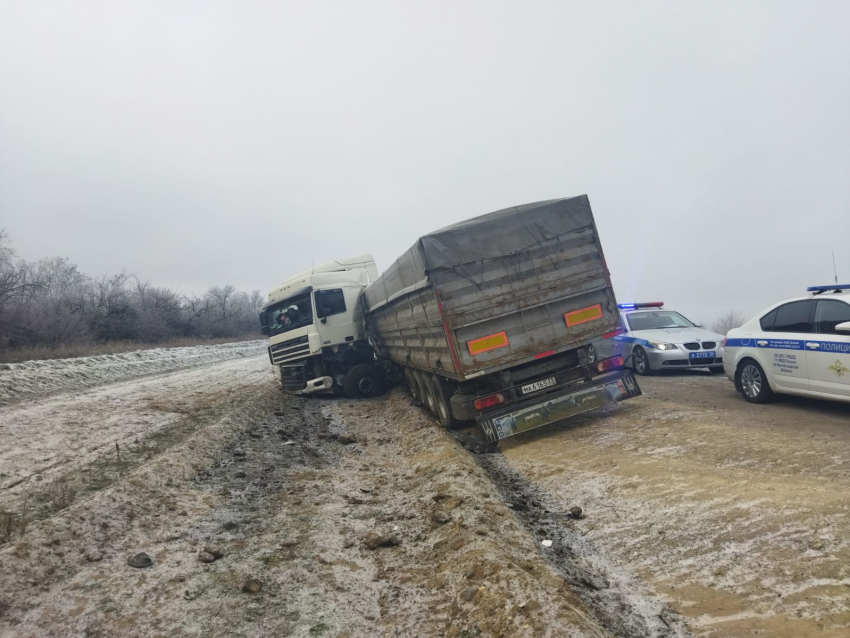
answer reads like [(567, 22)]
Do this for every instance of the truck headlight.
[(658, 345)]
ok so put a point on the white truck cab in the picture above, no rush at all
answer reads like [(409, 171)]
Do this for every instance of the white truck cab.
[(314, 325)]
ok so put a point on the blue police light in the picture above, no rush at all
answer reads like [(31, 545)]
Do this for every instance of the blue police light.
[(634, 306), (835, 287)]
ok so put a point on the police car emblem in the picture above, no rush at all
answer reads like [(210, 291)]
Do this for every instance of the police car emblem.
[(838, 368)]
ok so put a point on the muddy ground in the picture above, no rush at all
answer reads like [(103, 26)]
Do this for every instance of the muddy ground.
[(267, 515), (737, 514)]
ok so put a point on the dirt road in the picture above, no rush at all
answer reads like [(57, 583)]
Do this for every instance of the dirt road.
[(737, 514), (268, 515), (261, 515)]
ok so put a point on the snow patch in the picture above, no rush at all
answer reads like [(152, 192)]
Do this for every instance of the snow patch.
[(35, 379)]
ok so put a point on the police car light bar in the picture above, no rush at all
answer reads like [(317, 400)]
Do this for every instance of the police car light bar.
[(646, 304), (835, 287)]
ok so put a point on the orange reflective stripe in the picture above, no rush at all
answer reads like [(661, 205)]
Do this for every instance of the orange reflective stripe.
[(490, 342), (591, 313)]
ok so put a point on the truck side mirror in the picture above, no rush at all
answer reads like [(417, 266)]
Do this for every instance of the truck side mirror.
[(264, 330)]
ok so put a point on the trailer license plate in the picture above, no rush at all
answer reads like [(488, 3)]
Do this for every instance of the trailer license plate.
[(538, 385)]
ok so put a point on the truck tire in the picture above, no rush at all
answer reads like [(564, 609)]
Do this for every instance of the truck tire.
[(411, 383), (363, 381), (416, 376), (429, 392), (442, 403)]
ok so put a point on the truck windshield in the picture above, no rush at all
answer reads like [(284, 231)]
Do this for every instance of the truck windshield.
[(289, 314), (657, 319)]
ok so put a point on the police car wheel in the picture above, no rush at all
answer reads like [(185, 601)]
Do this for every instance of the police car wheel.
[(591, 354), (640, 362), (753, 382)]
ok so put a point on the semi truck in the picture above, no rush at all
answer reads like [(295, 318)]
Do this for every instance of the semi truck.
[(488, 321), (316, 337)]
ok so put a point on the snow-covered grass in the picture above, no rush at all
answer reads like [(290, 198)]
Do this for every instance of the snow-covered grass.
[(73, 350), (36, 379)]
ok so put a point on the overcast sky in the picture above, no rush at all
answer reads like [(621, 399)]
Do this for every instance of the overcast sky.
[(236, 142)]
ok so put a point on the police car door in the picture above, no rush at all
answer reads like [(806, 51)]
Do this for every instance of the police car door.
[(828, 351), (781, 347)]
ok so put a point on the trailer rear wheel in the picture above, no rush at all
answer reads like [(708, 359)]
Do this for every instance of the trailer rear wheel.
[(429, 392), (363, 381), (410, 379), (442, 403), (416, 376)]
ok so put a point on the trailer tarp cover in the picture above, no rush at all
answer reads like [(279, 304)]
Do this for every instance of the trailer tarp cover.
[(505, 232), (460, 246)]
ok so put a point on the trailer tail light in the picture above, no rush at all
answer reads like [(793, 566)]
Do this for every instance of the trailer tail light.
[(610, 364), (612, 334), (488, 402), (541, 355)]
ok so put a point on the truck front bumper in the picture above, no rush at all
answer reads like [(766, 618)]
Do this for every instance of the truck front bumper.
[(316, 385), (540, 410)]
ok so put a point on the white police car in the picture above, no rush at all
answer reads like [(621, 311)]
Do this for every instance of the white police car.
[(800, 346), (653, 339)]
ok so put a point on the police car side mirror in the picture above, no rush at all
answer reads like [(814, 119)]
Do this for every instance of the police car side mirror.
[(843, 327)]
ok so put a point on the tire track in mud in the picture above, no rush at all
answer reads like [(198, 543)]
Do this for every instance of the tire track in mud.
[(622, 604)]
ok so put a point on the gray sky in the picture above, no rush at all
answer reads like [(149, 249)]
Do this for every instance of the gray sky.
[(235, 142)]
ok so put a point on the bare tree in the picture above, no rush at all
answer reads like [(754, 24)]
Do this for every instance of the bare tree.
[(725, 322), (14, 279), (50, 302)]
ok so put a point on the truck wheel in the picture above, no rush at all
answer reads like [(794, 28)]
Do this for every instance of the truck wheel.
[(429, 392), (753, 382), (442, 401), (411, 383), (640, 362), (363, 381)]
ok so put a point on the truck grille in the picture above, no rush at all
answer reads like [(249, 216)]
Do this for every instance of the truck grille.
[(709, 345), (292, 377), (692, 346), (290, 350)]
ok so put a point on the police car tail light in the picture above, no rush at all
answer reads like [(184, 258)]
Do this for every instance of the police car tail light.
[(488, 402), (610, 364)]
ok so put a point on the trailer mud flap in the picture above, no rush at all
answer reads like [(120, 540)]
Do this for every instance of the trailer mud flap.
[(556, 407)]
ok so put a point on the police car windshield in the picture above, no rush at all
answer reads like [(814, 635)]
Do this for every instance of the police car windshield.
[(657, 319)]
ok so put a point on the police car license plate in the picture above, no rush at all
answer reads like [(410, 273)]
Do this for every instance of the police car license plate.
[(538, 385), (705, 354)]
